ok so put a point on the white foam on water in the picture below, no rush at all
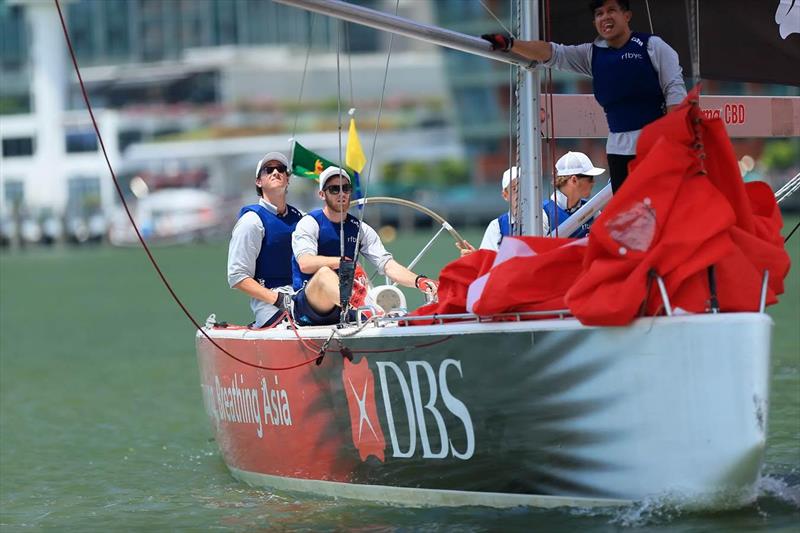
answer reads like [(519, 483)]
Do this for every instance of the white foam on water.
[(779, 489), (666, 508)]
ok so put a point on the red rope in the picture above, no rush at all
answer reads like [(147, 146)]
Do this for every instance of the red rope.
[(307, 344), (130, 216)]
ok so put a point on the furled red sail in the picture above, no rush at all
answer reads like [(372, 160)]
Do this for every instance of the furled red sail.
[(683, 209)]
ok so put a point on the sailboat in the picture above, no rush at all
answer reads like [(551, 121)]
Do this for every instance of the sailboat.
[(527, 408)]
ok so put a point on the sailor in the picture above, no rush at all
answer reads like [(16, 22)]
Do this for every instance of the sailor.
[(636, 76), (317, 253), (575, 175), (500, 226), (260, 250)]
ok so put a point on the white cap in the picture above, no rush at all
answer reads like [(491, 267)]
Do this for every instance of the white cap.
[(273, 156), (576, 163), (331, 172), (508, 175)]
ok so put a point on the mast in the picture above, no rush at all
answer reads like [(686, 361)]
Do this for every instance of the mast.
[(530, 201), (530, 139)]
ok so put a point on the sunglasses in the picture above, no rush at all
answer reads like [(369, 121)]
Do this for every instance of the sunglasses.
[(585, 177), (334, 189), (269, 169)]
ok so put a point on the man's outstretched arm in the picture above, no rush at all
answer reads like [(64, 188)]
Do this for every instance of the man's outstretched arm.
[(533, 50)]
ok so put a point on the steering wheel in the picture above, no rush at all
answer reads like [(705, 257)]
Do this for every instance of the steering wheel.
[(445, 225)]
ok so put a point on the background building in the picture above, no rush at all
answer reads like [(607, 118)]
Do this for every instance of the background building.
[(192, 92)]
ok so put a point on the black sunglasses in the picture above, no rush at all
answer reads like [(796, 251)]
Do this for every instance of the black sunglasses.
[(269, 170), (334, 189), (585, 177)]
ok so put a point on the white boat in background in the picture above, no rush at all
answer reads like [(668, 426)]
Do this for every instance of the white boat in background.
[(494, 410), (169, 216)]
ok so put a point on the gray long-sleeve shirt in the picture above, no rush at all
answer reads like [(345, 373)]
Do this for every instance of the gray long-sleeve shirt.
[(578, 58), (243, 250)]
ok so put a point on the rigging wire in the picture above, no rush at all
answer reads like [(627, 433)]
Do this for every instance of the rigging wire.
[(349, 64), (788, 188), (512, 143), (303, 78), (516, 228), (550, 116), (791, 232), (339, 125), (371, 157), (505, 28), (649, 18)]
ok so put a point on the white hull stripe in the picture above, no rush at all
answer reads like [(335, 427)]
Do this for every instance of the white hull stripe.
[(417, 497)]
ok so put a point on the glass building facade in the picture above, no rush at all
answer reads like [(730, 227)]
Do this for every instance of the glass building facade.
[(137, 32)]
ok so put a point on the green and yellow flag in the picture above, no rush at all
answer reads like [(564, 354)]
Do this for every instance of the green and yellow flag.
[(307, 164), (354, 158)]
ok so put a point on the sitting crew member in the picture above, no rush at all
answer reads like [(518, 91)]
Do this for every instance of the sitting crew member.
[(501, 226), (636, 77), (575, 175), (318, 253), (260, 251)]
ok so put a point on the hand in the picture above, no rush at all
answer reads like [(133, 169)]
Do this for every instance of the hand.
[(465, 248), (284, 300), (499, 41), (427, 285)]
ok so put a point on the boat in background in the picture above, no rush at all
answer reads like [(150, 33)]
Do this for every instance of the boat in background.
[(170, 216)]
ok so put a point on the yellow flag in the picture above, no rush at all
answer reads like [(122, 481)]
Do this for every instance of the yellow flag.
[(354, 156)]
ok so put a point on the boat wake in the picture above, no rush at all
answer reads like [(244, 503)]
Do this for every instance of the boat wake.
[(776, 494), (784, 489)]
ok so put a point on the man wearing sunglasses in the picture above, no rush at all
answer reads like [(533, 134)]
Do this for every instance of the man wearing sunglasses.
[(575, 175), (260, 251), (317, 253)]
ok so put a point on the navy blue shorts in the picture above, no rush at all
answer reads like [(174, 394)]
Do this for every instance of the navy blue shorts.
[(304, 315)]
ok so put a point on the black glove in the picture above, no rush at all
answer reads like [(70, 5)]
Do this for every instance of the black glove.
[(499, 41), (284, 300)]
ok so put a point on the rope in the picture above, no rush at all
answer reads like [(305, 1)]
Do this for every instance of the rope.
[(146, 248)]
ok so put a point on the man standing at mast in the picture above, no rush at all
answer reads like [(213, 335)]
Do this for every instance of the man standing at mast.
[(636, 77)]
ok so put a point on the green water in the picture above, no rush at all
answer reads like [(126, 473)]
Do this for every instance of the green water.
[(102, 426)]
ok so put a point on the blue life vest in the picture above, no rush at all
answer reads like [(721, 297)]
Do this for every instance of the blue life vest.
[(504, 221), (550, 209), (274, 262), (328, 243), (626, 84)]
